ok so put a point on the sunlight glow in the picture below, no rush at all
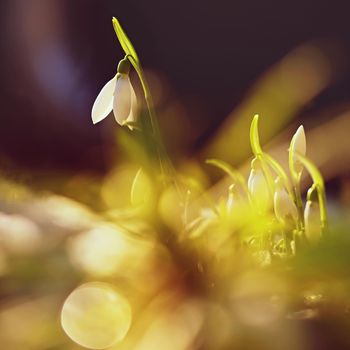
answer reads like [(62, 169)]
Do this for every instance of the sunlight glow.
[(95, 316)]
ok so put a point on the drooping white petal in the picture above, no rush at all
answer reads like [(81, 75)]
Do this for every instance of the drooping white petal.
[(284, 206), (312, 219), (103, 104), (258, 188), (298, 145), (122, 99), (132, 117)]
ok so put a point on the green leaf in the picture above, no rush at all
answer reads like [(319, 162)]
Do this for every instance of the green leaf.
[(124, 40), (254, 136)]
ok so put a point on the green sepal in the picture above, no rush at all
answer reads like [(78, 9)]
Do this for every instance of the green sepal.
[(124, 66), (132, 125)]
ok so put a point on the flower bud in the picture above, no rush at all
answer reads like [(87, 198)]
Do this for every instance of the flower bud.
[(297, 145), (124, 103), (258, 188), (117, 95), (313, 226), (283, 204)]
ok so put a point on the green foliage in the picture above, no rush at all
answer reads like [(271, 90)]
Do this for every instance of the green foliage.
[(319, 184), (124, 40), (254, 137)]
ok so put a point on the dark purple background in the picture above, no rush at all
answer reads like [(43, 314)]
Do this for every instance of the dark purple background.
[(57, 54)]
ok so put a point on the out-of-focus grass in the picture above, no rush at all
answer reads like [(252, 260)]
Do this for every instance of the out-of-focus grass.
[(202, 291)]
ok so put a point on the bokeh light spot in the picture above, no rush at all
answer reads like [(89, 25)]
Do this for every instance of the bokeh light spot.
[(95, 316)]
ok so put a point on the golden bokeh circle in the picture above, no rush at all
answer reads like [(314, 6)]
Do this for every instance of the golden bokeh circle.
[(96, 316)]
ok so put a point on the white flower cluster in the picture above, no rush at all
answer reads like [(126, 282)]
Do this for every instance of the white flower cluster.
[(283, 201)]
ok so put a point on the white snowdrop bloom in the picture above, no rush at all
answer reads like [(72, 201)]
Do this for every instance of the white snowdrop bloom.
[(124, 102), (117, 95), (283, 204), (312, 219), (258, 188), (298, 145)]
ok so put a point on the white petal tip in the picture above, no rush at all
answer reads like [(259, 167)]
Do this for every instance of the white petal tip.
[(298, 143), (95, 120)]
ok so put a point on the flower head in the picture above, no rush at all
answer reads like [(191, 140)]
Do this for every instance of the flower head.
[(283, 203), (258, 187), (117, 95), (313, 224), (297, 145)]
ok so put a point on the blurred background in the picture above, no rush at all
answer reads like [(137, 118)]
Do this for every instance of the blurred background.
[(211, 66), (205, 60)]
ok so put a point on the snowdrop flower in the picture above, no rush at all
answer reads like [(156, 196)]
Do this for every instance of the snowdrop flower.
[(297, 145), (117, 95), (312, 222), (283, 204), (313, 225), (258, 187)]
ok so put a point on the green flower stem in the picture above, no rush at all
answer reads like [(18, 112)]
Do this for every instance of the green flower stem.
[(267, 174), (166, 166), (146, 92), (287, 248), (265, 157), (259, 154), (299, 202), (278, 170), (233, 173), (323, 209), (320, 187)]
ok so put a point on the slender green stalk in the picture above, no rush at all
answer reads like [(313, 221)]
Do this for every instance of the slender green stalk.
[(299, 202), (228, 169), (319, 184), (165, 164), (259, 154), (151, 112)]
